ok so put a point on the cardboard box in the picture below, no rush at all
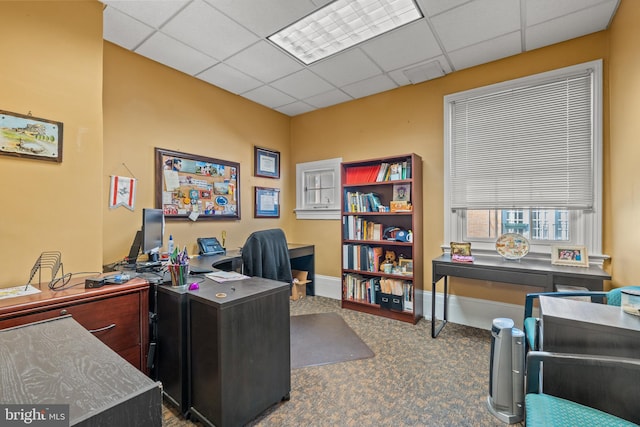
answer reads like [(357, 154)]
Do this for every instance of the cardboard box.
[(299, 288)]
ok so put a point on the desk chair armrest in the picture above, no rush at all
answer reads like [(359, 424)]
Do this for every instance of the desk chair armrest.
[(588, 361)]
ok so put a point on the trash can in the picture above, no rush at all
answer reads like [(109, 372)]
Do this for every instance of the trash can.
[(506, 372)]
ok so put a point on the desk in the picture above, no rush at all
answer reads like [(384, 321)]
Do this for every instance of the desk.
[(527, 272), (118, 315), (302, 257), (224, 360), (570, 326), (58, 361)]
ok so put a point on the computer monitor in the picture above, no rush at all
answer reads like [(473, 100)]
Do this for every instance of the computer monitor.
[(152, 232)]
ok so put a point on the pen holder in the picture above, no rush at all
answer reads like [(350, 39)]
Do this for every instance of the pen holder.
[(179, 274)]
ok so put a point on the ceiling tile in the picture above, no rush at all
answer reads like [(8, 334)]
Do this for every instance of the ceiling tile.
[(369, 86), (123, 30), (295, 108), (232, 80), (328, 98), (434, 7), (264, 62), (209, 31), (302, 84), (153, 13), (266, 17), (477, 21), (542, 10), (346, 67), (570, 26), (269, 96), (384, 49), (487, 51), (172, 53), (401, 79)]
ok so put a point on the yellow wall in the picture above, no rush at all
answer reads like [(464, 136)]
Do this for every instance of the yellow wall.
[(57, 72), (622, 221), (147, 105), (410, 119), (52, 67)]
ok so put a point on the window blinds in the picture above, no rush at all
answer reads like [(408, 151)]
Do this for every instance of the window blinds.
[(525, 147)]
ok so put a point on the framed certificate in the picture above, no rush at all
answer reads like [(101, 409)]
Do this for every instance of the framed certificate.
[(267, 163), (267, 202)]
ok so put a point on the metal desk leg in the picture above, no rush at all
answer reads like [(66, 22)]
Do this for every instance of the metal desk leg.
[(435, 331)]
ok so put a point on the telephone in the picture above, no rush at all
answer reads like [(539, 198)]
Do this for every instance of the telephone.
[(210, 246)]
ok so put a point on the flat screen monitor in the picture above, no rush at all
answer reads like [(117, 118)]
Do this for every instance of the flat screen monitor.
[(152, 232)]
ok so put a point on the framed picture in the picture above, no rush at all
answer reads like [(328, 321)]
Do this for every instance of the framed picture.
[(30, 137), (196, 187), (405, 265), (267, 163), (267, 202), (402, 192), (569, 255)]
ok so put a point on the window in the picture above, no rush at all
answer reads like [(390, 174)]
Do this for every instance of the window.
[(318, 189), (525, 156)]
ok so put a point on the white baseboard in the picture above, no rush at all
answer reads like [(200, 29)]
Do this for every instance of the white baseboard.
[(328, 286), (478, 313)]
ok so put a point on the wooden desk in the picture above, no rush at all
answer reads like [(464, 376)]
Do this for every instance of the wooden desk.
[(116, 314), (302, 257), (570, 326), (224, 359), (528, 272), (58, 362)]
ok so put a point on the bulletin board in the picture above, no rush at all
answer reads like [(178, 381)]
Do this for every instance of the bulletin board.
[(196, 187)]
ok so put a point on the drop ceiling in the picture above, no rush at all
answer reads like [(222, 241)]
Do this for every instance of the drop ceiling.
[(224, 43)]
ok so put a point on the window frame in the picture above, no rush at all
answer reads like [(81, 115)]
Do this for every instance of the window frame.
[(329, 211), (586, 226)]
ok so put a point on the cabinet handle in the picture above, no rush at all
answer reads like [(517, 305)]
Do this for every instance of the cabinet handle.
[(63, 312), (111, 326)]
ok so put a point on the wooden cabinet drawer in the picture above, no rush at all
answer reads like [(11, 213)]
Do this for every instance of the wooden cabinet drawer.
[(114, 320)]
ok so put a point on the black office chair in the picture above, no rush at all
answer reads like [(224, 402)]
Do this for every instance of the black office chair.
[(266, 254)]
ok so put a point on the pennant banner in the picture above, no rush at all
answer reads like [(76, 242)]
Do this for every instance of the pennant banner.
[(123, 192)]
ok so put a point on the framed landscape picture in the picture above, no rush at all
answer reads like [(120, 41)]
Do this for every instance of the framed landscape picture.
[(30, 137)]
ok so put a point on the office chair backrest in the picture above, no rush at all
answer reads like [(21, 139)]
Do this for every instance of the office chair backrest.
[(266, 254)]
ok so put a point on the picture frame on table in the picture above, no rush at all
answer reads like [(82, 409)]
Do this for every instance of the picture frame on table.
[(30, 137), (573, 255), (267, 163), (267, 202)]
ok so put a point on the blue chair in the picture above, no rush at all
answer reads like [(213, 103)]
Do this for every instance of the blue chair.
[(607, 392), (531, 324)]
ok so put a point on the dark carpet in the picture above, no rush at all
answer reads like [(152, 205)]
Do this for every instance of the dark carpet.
[(322, 339), (413, 379)]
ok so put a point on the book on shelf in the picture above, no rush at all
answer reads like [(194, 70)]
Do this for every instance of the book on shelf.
[(361, 257), (357, 228), (361, 174), (356, 201), (359, 288)]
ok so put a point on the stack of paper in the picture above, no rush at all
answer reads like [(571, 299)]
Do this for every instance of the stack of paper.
[(225, 276)]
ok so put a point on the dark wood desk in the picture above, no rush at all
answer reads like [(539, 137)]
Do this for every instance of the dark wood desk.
[(58, 362), (118, 315), (528, 272), (570, 326), (224, 359), (302, 257)]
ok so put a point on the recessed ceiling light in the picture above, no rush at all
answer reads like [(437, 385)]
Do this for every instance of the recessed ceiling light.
[(342, 24)]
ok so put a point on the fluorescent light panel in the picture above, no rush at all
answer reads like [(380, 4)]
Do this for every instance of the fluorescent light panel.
[(342, 24)]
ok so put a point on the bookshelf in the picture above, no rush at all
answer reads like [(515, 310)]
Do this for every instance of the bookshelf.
[(382, 213)]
